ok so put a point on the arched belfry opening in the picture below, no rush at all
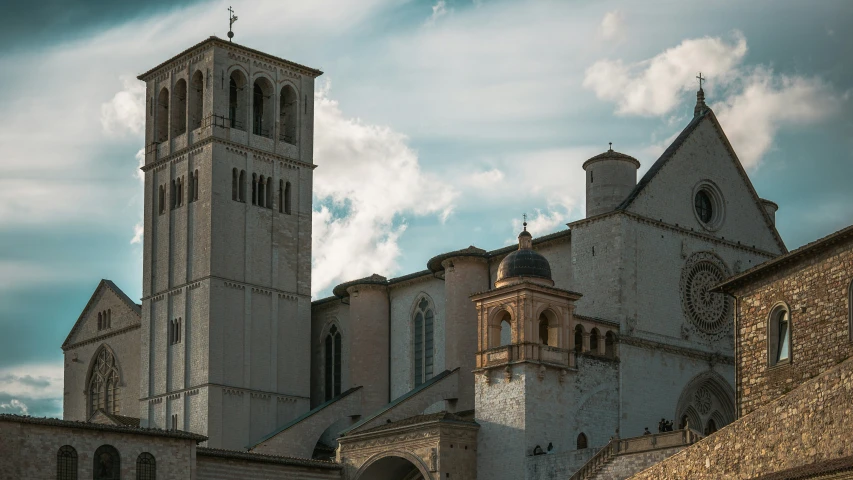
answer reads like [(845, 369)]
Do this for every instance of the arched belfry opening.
[(237, 100), (179, 108), (288, 109), (161, 120), (196, 100), (262, 107)]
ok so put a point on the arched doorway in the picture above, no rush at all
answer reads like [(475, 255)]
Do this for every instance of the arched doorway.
[(393, 467)]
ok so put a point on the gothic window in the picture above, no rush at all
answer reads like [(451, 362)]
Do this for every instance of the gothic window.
[(175, 330), (179, 108), (281, 196), (161, 132), (333, 363), (66, 463), (104, 383), (779, 335), (237, 100), (287, 200), (174, 421), (582, 442), (708, 205), (423, 325), (146, 467), (262, 108), (243, 186), (254, 189), (708, 311), (107, 463), (235, 186), (268, 202), (593, 341), (162, 199), (610, 345), (196, 100), (261, 191), (578, 338), (287, 111)]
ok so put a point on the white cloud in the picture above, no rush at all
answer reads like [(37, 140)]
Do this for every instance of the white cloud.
[(15, 406), (438, 10), (35, 381), (541, 223), (370, 177), (652, 87), (767, 102), (125, 113), (612, 25)]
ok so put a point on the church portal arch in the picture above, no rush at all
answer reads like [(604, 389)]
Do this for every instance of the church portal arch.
[(707, 396), (393, 465)]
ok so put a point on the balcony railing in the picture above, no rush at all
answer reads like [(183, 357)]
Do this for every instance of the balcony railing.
[(527, 351), (221, 121)]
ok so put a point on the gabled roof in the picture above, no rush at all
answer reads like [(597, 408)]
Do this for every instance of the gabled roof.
[(108, 284), (119, 420), (676, 145), (812, 248)]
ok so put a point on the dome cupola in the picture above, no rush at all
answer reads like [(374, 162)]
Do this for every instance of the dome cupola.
[(524, 263)]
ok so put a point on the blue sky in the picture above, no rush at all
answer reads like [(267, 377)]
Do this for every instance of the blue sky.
[(455, 117)]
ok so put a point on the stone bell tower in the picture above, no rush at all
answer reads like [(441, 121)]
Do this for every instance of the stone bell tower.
[(226, 305), (522, 363)]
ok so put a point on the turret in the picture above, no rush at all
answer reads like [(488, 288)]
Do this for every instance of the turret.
[(770, 208), (610, 177)]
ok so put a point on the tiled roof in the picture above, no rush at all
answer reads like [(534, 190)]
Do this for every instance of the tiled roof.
[(609, 155), (121, 419), (263, 458), (55, 422)]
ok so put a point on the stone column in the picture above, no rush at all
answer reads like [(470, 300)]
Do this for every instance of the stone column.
[(370, 331), (586, 341), (463, 276)]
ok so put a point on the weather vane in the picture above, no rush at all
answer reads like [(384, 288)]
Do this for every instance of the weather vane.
[(701, 79), (525, 221), (231, 19)]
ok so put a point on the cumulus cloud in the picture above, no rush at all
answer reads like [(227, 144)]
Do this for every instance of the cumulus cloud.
[(31, 389), (767, 102), (15, 406), (368, 178), (125, 112), (612, 25), (652, 87), (543, 222)]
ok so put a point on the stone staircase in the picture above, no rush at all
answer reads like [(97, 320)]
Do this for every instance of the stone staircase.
[(622, 458)]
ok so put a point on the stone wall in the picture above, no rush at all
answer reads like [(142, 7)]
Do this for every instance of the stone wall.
[(558, 466), (806, 426), (227, 465), (816, 292), (624, 466)]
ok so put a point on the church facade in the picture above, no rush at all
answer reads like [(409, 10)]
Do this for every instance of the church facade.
[(467, 369)]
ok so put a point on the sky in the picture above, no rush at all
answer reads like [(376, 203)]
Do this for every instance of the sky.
[(455, 116)]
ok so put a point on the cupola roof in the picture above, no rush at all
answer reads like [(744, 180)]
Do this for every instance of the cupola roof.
[(524, 262)]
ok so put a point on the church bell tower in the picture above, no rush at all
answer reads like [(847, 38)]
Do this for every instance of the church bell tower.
[(226, 301)]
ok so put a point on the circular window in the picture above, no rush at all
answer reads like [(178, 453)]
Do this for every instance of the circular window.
[(708, 205), (708, 311)]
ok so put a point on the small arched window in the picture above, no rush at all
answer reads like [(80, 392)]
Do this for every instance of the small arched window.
[(582, 442), (333, 363), (779, 335), (195, 186), (579, 338), (593, 341), (66, 463), (268, 201), (235, 186), (146, 467), (179, 108), (196, 102), (261, 190), (254, 189), (423, 334), (104, 383), (287, 111), (106, 463), (162, 199), (610, 345), (243, 186), (287, 199), (237, 100), (281, 196), (161, 133), (100, 321)]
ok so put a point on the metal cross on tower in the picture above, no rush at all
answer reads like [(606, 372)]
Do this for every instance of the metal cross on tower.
[(701, 79), (231, 19)]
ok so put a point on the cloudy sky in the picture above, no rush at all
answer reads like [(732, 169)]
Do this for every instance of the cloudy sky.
[(455, 116)]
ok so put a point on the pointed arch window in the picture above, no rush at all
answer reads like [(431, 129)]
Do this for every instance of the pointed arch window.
[(582, 442), (107, 463), (66, 463), (333, 363), (423, 324), (243, 186), (146, 467), (104, 383)]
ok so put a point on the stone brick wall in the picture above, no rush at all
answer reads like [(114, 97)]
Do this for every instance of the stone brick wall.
[(815, 290), (29, 451), (807, 426), (623, 466)]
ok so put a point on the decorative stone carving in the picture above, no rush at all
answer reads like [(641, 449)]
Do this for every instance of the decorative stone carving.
[(709, 312), (508, 373), (702, 400)]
